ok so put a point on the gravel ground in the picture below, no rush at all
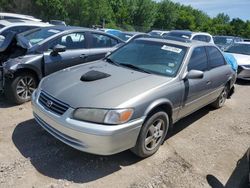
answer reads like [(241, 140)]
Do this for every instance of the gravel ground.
[(206, 149)]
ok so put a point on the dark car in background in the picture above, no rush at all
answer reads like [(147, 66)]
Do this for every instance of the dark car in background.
[(46, 50), (223, 42)]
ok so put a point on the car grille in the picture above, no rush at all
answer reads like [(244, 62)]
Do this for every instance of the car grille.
[(52, 104)]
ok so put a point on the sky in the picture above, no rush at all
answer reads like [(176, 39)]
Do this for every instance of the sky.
[(234, 8)]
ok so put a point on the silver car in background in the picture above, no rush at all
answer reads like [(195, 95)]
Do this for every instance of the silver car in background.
[(241, 52), (129, 99)]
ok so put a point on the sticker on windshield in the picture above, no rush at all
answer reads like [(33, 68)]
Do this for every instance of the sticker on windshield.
[(171, 64), (54, 31), (171, 49), (169, 71)]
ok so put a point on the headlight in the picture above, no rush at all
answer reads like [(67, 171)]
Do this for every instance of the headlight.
[(105, 116)]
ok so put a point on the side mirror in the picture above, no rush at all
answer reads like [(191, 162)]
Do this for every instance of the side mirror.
[(195, 74), (59, 48)]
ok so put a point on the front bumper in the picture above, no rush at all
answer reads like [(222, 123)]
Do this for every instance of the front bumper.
[(244, 72), (85, 136)]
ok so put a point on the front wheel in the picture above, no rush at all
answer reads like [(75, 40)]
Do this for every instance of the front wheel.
[(152, 134), (19, 89)]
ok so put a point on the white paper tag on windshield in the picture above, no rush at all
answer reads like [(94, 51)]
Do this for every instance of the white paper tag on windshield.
[(171, 49), (53, 31)]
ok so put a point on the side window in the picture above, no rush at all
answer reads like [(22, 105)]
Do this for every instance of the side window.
[(102, 41), (70, 41), (215, 57), (198, 60), (200, 38), (208, 38)]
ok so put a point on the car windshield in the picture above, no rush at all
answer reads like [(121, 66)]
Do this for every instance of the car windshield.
[(39, 35), (151, 57), (239, 49), (223, 40)]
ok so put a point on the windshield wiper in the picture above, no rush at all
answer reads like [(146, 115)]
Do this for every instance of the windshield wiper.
[(134, 67), (112, 61)]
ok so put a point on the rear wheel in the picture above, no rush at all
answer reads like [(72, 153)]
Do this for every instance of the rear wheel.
[(220, 101), (152, 134), (19, 89)]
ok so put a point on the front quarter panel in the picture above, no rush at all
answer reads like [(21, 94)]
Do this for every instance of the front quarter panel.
[(169, 93), (32, 62)]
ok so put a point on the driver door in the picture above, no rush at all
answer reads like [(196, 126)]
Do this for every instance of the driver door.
[(76, 52)]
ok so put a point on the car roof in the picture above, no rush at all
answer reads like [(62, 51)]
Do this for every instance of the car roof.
[(15, 22), (133, 32), (19, 16), (187, 32), (225, 36), (243, 42), (185, 42)]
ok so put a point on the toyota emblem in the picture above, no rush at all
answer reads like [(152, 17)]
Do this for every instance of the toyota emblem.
[(49, 103)]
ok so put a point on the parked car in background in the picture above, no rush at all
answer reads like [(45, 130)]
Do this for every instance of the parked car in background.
[(126, 35), (115, 32), (46, 50), (5, 15), (8, 31), (132, 35), (157, 33), (57, 22), (241, 52), (200, 36), (130, 98), (224, 42)]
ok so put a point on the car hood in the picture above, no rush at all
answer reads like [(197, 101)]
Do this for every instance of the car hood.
[(242, 59), (120, 86)]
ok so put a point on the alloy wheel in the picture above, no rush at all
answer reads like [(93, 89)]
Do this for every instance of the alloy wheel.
[(25, 87), (154, 134)]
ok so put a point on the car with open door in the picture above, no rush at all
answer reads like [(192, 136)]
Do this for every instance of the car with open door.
[(8, 30), (46, 50), (129, 99)]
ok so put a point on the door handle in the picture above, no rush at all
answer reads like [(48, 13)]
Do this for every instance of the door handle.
[(209, 82), (83, 56)]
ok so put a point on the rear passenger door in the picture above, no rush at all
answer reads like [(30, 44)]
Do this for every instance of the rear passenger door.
[(100, 45), (218, 74), (76, 52), (196, 90)]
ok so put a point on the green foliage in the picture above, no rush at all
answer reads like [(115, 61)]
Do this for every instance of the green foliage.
[(140, 15)]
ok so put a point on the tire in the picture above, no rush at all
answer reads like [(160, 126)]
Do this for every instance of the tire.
[(220, 101), (19, 89), (153, 132)]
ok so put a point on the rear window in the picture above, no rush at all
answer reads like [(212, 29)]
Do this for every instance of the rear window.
[(216, 59)]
